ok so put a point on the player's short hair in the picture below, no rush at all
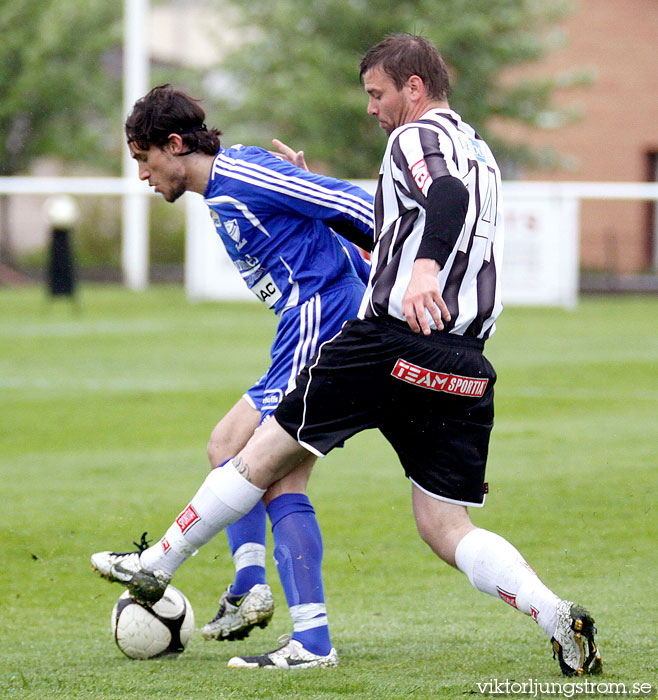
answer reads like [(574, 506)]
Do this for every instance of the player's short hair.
[(165, 111), (403, 55)]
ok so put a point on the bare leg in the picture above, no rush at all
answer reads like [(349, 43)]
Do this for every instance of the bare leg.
[(492, 564), (293, 482), (440, 524), (270, 455), (232, 432), (231, 435)]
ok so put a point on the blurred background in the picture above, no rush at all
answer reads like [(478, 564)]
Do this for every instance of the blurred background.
[(107, 402), (565, 92)]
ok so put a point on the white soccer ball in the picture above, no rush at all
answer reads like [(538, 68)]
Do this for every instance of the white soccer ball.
[(144, 632)]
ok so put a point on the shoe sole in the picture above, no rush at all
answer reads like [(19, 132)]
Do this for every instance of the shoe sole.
[(241, 633), (255, 666), (107, 577), (149, 597), (262, 663)]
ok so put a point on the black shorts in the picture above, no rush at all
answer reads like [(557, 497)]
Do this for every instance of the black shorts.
[(430, 396)]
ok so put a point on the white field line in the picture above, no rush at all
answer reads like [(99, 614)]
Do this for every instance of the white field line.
[(112, 385), (579, 394), (82, 328), (137, 383)]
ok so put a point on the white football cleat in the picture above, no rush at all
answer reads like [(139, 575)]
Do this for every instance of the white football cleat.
[(291, 655), (573, 642), (235, 620), (124, 568)]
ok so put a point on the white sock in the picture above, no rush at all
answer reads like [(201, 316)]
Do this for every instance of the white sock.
[(495, 567), (224, 497)]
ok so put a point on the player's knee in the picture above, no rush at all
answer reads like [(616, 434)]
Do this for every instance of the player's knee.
[(219, 451), (210, 451)]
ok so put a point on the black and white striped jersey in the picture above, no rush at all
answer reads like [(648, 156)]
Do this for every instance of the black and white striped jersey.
[(438, 144)]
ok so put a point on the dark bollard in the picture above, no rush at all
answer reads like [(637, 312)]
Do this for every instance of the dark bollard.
[(62, 215), (61, 273)]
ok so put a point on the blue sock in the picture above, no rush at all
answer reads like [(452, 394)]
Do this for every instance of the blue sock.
[(298, 556), (246, 538)]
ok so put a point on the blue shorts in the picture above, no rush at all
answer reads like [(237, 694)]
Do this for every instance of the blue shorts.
[(299, 335)]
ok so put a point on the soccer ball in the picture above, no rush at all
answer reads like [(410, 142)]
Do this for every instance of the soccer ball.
[(144, 632)]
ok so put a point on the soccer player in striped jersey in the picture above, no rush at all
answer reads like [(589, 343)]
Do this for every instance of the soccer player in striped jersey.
[(278, 223), (412, 363)]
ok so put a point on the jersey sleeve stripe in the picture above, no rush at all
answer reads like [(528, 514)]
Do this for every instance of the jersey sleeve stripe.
[(324, 199), (407, 179), (438, 164), (310, 197), (267, 173), (269, 179)]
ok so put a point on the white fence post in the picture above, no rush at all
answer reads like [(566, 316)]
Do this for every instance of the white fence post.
[(209, 272), (135, 207)]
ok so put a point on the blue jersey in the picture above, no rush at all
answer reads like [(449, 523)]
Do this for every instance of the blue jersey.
[(276, 222)]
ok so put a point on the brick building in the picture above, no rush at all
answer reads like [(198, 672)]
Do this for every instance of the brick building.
[(617, 138)]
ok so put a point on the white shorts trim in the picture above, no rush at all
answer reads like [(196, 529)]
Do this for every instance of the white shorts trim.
[(447, 500), (311, 449)]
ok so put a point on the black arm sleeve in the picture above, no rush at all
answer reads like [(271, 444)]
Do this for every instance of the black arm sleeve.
[(447, 204), (352, 233)]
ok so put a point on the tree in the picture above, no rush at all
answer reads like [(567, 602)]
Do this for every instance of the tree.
[(59, 93), (296, 76)]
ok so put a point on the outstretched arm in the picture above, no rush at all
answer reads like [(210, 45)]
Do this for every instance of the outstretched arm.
[(341, 205)]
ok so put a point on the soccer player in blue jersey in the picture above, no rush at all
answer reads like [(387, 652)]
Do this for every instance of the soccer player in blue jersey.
[(279, 224)]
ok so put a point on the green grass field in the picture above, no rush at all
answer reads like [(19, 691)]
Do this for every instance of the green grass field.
[(105, 413)]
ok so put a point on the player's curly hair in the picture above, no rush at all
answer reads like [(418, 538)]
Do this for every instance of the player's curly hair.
[(403, 55), (165, 111)]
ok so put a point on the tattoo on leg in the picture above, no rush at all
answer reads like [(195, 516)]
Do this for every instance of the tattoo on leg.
[(242, 468)]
